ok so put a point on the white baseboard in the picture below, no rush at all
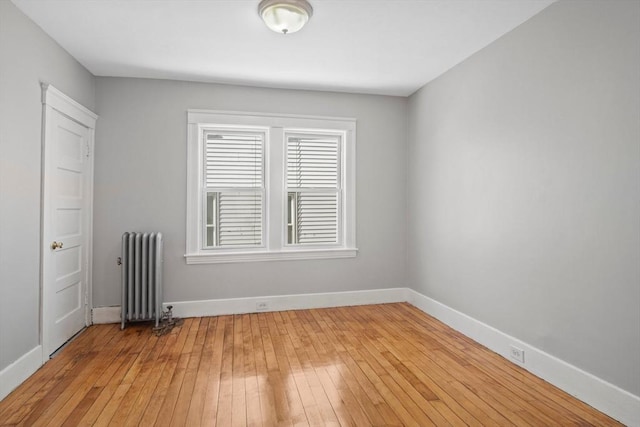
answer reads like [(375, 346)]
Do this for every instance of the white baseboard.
[(604, 396), (105, 315), (13, 375), (286, 302), (218, 307)]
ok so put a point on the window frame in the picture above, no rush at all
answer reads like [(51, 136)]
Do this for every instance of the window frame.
[(205, 189), (339, 190), (274, 233)]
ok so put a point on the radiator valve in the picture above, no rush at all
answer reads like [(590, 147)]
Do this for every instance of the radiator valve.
[(167, 322)]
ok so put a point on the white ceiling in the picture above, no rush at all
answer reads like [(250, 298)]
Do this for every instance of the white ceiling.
[(389, 47)]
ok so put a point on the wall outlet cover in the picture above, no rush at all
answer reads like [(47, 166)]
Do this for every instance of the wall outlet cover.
[(516, 353)]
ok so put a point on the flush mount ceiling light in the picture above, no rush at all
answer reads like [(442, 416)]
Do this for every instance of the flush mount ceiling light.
[(285, 16)]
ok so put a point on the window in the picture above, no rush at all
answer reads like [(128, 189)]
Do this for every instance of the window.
[(313, 188), (269, 187), (233, 190)]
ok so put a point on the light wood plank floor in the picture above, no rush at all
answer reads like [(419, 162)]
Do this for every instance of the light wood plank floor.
[(384, 364)]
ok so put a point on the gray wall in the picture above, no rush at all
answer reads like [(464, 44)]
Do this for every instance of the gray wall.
[(27, 56), (140, 184), (524, 183)]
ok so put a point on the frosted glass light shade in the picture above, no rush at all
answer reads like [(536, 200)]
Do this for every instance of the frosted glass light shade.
[(285, 16)]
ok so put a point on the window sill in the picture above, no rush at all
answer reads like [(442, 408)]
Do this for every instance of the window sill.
[(217, 258)]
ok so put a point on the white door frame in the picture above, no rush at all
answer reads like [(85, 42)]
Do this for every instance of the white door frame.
[(54, 100)]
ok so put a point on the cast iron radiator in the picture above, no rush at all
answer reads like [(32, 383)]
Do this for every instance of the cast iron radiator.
[(141, 277)]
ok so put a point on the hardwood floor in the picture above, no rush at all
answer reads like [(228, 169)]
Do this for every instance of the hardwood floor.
[(354, 366)]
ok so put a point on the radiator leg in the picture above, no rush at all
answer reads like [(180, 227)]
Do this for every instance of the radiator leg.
[(123, 275)]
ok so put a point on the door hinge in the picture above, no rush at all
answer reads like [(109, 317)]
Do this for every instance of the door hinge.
[(88, 150)]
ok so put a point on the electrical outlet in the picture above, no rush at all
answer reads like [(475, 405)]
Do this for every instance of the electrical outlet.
[(516, 353), (262, 306)]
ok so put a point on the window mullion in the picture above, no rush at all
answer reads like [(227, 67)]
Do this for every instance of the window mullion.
[(275, 227)]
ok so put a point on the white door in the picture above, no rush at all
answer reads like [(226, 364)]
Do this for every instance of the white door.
[(67, 199)]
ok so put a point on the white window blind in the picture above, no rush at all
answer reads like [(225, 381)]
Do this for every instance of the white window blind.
[(313, 186), (233, 188)]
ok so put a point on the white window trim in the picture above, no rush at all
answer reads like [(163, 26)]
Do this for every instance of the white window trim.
[(274, 233)]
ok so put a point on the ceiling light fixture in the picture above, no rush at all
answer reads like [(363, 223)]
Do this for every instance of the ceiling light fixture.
[(285, 16)]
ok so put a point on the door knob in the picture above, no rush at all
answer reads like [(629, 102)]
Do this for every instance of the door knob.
[(56, 245)]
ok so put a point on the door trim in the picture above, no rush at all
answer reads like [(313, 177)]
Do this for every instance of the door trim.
[(55, 100)]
